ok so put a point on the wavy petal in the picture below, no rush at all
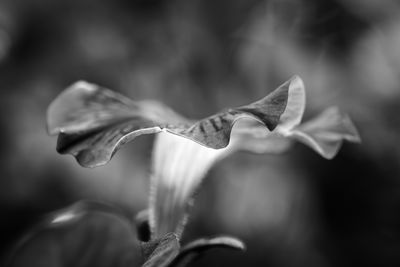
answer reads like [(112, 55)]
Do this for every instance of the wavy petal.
[(179, 165), (326, 133), (93, 122), (252, 136)]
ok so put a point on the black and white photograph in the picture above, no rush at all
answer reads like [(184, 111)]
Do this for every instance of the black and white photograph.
[(188, 133)]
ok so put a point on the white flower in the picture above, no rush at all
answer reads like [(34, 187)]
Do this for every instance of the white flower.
[(93, 122)]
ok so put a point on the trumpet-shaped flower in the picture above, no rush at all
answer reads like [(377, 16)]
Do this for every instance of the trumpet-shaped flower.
[(92, 123)]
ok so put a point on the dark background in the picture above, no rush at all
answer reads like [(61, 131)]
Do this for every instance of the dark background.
[(198, 57)]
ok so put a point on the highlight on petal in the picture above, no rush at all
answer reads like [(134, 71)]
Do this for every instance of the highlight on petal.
[(296, 104), (179, 165), (253, 137), (84, 234), (326, 133), (198, 247), (93, 122), (83, 107)]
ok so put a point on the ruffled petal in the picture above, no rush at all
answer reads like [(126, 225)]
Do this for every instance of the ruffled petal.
[(179, 165), (326, 133), (93, 122), (252, 136)]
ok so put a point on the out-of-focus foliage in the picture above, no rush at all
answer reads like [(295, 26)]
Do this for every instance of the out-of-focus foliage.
[(85, 234), (198, 57), (90, 233)]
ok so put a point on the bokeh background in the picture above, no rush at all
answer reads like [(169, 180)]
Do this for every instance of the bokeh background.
[(198, 57)]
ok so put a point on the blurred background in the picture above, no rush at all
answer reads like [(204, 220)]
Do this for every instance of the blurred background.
[(198, 57)]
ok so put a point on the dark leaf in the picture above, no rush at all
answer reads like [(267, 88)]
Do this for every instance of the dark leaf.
[(84, 234), (194, 249), (166, 250)]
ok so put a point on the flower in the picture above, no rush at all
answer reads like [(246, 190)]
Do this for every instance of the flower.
[(92, 123)]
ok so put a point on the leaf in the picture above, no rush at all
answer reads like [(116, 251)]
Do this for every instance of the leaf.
[(325, 133), (167, 249), (84, 234), (92, 122), (200, 245), (194, 249)]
